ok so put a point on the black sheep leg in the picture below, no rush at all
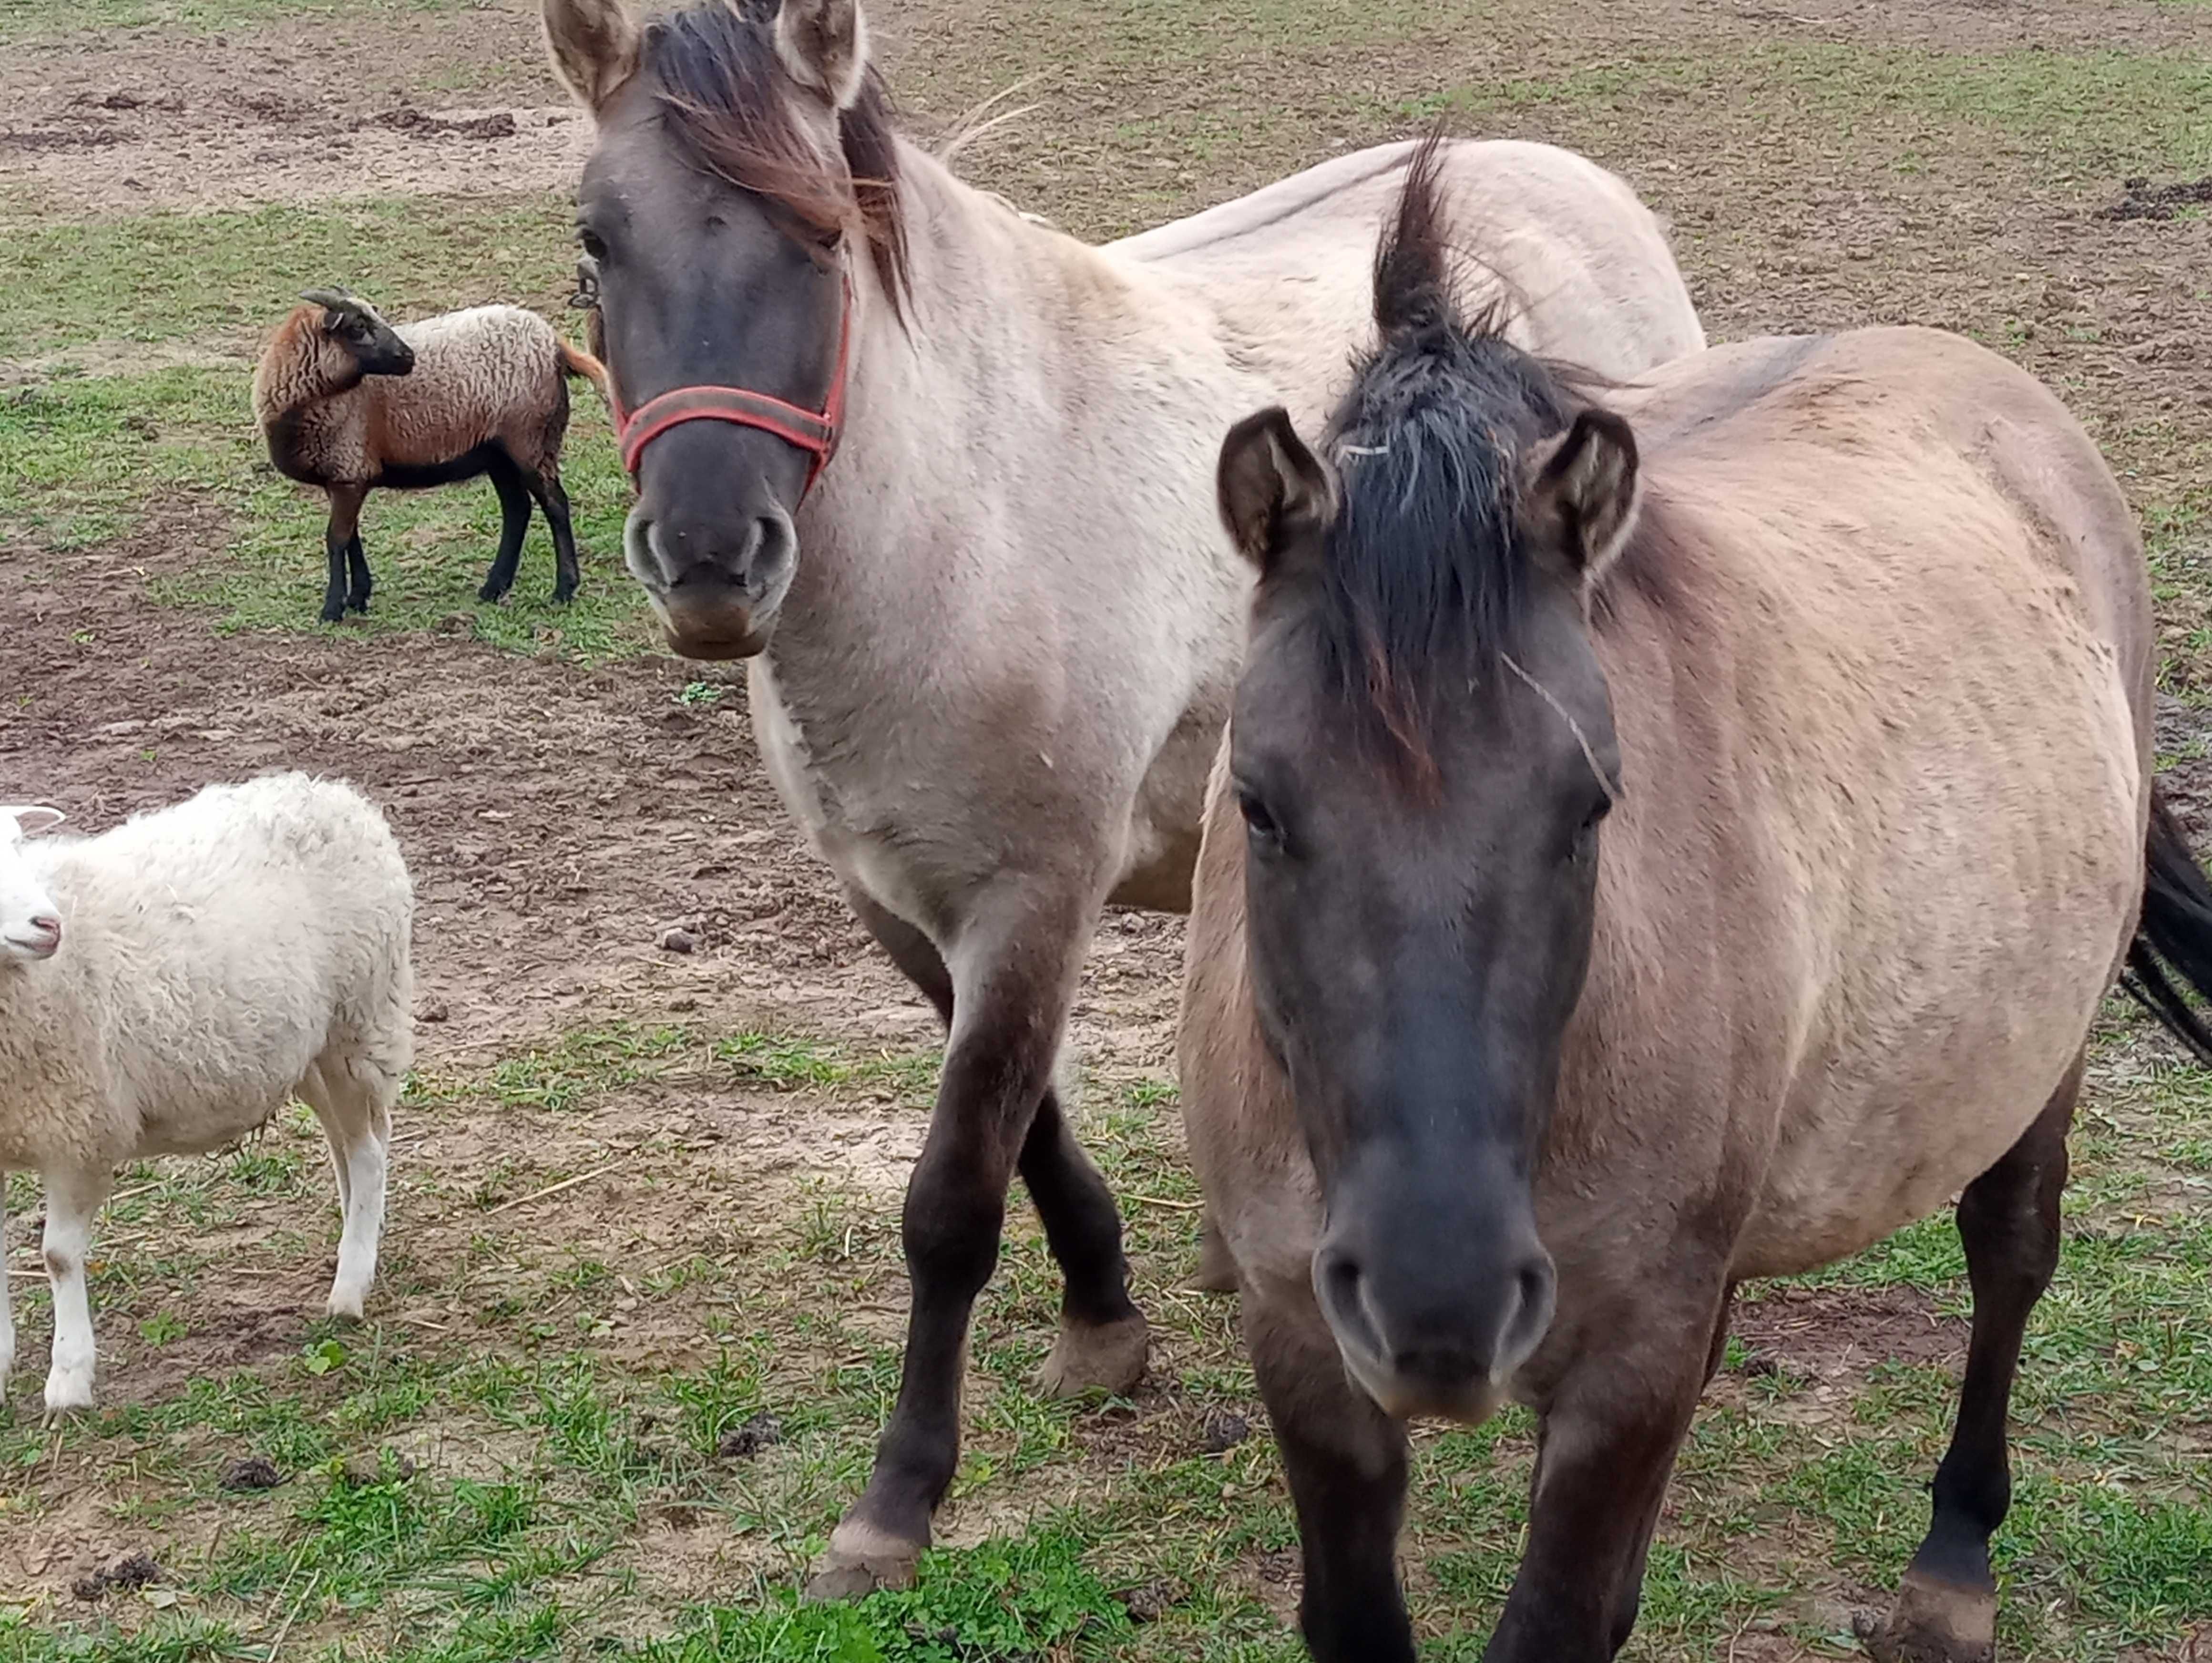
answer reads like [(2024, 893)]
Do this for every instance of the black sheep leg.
[(359, 582), (546, 488), (514, 511), (341, 541)]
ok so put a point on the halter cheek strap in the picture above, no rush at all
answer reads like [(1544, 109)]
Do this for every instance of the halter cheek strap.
[(814, 432)]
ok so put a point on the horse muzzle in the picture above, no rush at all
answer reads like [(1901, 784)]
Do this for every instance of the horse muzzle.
[(1435, 1299), (716, 598)]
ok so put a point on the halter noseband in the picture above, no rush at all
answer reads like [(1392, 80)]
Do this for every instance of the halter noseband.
[(814, 432)]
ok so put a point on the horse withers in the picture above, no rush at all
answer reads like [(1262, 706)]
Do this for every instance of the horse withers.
[(992, 637), (1659, 842)]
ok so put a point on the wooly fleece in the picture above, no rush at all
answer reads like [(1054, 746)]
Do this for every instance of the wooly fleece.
[(213, 953), (489, 373)]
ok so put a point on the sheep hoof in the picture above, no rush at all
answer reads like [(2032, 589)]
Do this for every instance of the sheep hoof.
[(564, 593), (333, 612), (492, 593), (347, 1307), (67, 1393)]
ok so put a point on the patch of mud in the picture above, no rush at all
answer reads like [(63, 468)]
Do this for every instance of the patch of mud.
[(1830, 1335), (246, 151), (2140, 199)]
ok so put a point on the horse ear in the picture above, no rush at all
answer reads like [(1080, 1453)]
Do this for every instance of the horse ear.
[(1271, 487), (1582, 490), (823, 45), (594, 45)]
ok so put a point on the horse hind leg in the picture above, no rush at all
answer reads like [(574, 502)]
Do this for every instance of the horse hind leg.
[(1946, 1610)]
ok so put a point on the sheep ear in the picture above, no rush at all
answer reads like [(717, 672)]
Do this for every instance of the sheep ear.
[(30, 818), (823, 45), (594, 44)]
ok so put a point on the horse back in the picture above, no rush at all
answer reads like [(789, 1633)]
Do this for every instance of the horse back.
[(1880, 659)]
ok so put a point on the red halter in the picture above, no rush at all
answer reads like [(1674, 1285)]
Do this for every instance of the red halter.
[(812, 431)]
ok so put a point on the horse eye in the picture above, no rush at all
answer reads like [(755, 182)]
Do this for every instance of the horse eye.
[(595, 248), (1257, 821)]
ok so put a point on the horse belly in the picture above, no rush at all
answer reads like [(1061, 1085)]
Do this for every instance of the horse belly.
[(1949, 1036)]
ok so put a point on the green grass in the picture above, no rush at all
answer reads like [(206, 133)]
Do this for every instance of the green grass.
[(2110, 110), (30, 20), (171, 276), (506, 1482)]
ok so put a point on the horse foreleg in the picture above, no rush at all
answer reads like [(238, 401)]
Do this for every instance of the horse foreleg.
[(1946, 1607), (1012, 978), (1346, 1461), (1102, 1335), (1606, 1447)]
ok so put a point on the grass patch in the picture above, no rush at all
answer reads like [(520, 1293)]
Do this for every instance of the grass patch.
[(170, 276), (27, 20), (2109, 110), (527, 1475)]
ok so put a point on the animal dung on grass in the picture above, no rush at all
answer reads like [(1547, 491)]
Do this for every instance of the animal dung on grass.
[(350, 404)]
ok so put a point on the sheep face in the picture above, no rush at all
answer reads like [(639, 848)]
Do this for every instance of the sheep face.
[(30, 922), (354, 325)]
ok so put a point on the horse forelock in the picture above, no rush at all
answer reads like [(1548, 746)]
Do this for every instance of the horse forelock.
[(1424, 568), (712, 67)]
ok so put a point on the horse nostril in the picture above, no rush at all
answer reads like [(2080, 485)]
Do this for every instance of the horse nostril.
[(1528, 1317)]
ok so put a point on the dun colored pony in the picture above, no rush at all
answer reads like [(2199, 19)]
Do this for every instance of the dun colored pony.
[(1643, 859), (992, 640)]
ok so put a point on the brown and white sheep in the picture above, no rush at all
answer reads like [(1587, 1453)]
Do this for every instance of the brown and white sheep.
[(349, 403)]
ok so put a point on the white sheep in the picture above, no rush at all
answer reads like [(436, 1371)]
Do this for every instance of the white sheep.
[(165, 987)]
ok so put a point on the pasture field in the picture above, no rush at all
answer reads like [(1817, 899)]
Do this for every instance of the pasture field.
[(639, 1315)]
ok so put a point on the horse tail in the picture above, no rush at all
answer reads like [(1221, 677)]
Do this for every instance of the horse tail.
[(2173, 938)]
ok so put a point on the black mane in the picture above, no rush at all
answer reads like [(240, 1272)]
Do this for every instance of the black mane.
[(1424, 564)]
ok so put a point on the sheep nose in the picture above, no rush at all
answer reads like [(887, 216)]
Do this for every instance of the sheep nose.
[(47, 928)]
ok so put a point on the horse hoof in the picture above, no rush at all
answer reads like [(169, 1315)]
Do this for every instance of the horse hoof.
[(861, 1560), (1936, 1622), (1108, 1358)]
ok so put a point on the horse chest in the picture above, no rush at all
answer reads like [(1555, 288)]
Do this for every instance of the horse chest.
[(850, 818)]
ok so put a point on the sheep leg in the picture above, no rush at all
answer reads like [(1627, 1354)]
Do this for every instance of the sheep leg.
[(514, 520), (7, 1316), (359, 582), (73, 1200), (338, 536), (554, 501), (358, 1126)]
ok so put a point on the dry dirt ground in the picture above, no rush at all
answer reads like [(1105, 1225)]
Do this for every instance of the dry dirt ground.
[(1824, 162)]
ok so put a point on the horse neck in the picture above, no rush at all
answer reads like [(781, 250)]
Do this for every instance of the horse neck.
[(935, 408)]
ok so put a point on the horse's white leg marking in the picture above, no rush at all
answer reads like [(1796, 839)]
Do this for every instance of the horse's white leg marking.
[(73, 1200)]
